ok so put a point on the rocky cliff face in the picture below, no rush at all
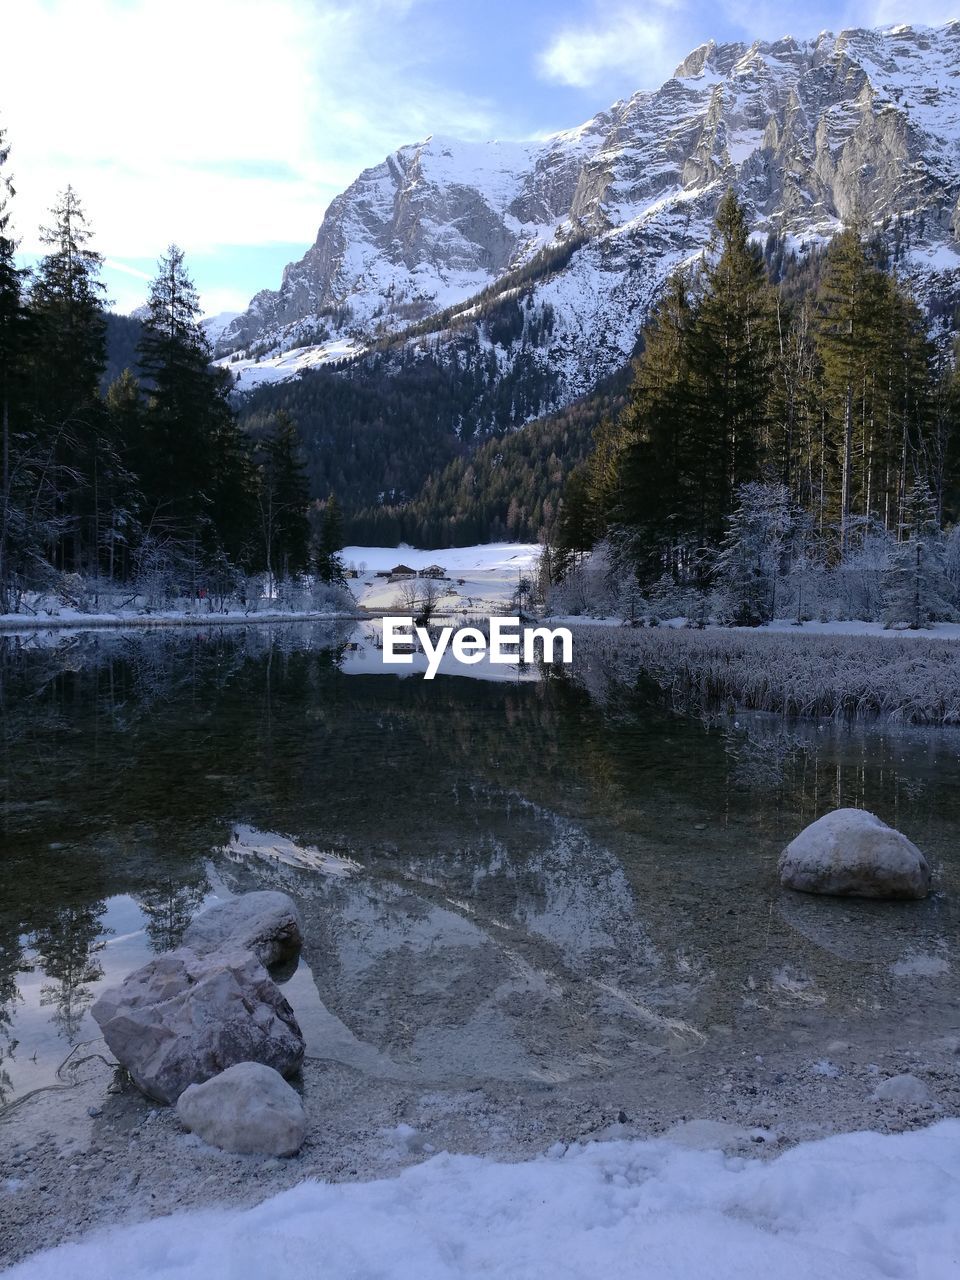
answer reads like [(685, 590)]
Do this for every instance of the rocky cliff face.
[(862, 125)]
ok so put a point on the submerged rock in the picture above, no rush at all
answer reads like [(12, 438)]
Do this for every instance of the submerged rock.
[(850, 852), (183, 1018), (265, 922), (904, 1090), (249, 1108)]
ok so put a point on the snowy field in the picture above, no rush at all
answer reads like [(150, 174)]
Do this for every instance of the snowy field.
[(479, 580), (250, 374), (859, 1206)]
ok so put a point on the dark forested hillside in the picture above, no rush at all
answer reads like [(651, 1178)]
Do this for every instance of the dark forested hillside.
[(507, 489), (375, 430), (123, 333)]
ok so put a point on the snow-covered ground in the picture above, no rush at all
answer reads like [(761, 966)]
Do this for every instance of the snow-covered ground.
[(860, 1206), (251, 373), (484, 556), (67, 616), (480, 580)]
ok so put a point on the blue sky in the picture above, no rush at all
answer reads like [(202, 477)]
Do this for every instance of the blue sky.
[(228, 125)]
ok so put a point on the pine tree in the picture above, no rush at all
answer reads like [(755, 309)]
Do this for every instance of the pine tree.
[(850, 300), (577, 528), (751, 555), (603, 478), (67, 306), (175, 459), (193, 461), (918, 588), (733, 344), (283, 498), (660, 512), (67, 298), (329, 543), (14, 442)]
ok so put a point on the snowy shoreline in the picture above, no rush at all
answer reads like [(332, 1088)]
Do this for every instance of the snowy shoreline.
[(713, 1134), (18, 622), (854, 1206)]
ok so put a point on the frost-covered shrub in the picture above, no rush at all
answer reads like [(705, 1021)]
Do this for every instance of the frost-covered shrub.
[(918, 589), (311, 595), (668, 598), (856, 588), (598, 586), (328, 597), (222, 582), (951, 560), (158, 574), (751, 557)]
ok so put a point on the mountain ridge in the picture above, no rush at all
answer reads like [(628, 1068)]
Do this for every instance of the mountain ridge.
[(812, 134)]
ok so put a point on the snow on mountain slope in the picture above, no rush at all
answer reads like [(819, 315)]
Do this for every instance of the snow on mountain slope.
[(861, 125), (213, 326)]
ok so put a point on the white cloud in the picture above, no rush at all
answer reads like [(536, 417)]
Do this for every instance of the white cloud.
[(927, 13), (213, 123), (640, 44), (112, 265), (213, 302)]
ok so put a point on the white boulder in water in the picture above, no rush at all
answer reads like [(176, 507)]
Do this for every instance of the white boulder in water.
[(249, 1108), (850, 852), (265, 922), (183, 1018)]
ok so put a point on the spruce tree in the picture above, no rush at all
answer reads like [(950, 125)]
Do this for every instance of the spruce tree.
[(329, 543), (175, 458), (283, 498), (660, 511), (577, 528), (193, 461), (733, 344), (918, 588), (14, 440), (70, 353), (850, 301)]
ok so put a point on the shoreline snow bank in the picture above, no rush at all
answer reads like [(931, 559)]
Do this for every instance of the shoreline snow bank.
[(854, 1207), (14, 622)]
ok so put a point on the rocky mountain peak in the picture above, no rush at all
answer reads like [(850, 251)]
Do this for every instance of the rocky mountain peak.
[(583, 227)]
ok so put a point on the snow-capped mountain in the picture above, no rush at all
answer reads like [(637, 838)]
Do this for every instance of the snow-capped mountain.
[(584, 226), (213, 326)]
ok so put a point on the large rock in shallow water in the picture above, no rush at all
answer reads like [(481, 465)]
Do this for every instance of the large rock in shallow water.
[(183, 1018), (850, 852), (265, 922), (248, 1108)]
